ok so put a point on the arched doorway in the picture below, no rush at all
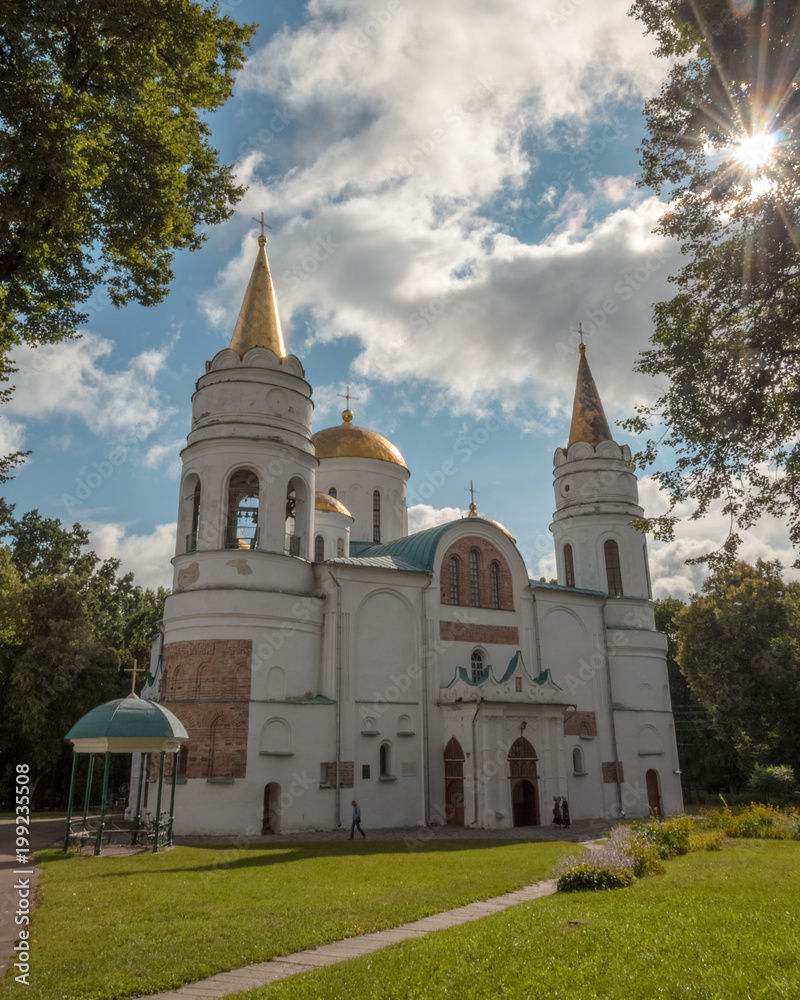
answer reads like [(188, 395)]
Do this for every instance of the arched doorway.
[(454, 783), (524, 801), (653, 792), (524, 780), (271, 816)]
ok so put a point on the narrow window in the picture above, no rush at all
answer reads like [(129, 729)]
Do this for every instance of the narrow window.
[(293, 533), (613, 572), (646, 571), (332, 492), (569, 567), (340, 547), (191, 540), (385, 760), (453, 580), (242, 529), (376, 516), (477, 665), (577, 761), (319, 549), (495, 585), (474, 586)]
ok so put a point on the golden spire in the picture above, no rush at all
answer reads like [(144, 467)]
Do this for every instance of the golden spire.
[(259, 324), (589, 422), (473, 509)]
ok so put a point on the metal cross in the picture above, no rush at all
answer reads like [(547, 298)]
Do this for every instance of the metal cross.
[(135, 670), (262, 223), (472, 491), (580, 331), (347, 396)]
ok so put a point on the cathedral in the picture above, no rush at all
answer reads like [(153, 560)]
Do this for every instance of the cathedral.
[(317, 653)]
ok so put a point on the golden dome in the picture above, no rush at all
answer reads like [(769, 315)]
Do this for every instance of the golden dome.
[(349, 441), (324, 501)]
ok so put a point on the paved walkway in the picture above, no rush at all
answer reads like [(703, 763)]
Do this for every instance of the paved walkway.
[(265, 973)]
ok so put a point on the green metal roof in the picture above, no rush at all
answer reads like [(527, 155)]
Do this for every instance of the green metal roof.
[(536, 584), (415, 551), (130, 717)]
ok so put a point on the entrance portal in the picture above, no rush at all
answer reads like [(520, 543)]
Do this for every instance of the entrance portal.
[(271, 818), (525, 802), (653, 793), (454, 783)]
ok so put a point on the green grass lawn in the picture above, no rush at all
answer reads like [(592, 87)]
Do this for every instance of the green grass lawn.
[(115, 927), (717, 926)]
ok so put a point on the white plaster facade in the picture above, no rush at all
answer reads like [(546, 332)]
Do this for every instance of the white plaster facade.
[(356, 676)]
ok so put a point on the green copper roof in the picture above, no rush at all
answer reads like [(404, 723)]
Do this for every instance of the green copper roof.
[(417, 551), (130, 717)]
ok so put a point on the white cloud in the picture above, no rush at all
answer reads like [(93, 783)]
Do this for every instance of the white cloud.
[(387, 149), (12, 435), (166, 454), (74, 379), (423, 515), (146, 556)]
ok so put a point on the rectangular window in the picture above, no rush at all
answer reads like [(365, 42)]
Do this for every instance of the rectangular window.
[(365, 771), (613, 571)]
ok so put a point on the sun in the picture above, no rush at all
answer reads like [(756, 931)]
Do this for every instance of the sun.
[(755, 151)]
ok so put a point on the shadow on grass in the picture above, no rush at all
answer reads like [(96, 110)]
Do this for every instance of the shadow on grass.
[(259, 856)]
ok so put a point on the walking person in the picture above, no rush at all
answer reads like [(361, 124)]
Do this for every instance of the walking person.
[(356, 820), (557, 818), (565, 817)]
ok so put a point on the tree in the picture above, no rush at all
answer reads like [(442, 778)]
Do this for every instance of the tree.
[(724, 144), (105, 165), (707, 762), (69, 627), (739, 650)]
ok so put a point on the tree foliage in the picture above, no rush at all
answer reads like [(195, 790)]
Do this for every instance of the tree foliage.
[(105, 165), (723, 144), (739, 650), (69, 627)]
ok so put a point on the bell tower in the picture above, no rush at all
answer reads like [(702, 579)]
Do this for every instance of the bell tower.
[(597, 497)]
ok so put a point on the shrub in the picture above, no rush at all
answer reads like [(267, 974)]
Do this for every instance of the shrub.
[(668, 838), (772, 784), (591, 875), (706, 840), (757, 820)]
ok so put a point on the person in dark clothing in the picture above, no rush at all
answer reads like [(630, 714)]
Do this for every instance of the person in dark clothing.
[(565, 817), (356, 820), (557, 811)]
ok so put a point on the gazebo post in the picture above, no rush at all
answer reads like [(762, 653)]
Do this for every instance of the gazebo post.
[(158, 802), (71, 795), (135, 836), (98, 843), (87, 796), (172, 796)]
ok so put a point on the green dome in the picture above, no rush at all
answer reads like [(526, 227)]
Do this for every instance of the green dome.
[(131, 718)]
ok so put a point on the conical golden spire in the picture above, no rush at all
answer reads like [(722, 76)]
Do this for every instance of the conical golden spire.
[(589, 422), (258, 324)]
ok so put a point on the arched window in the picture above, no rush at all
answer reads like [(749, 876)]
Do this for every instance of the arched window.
[(577, 761), (647, 572), (453, 580), (476, 663), (339, 546), (385, 760), (613, 572), (474, 582), (242, 529), (495, 575), (569, 567), (376, 516), (332, 492), (319, 549), (194, 500), (294, 499)]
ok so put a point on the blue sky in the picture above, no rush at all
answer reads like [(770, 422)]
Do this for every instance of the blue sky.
[(452, 190)]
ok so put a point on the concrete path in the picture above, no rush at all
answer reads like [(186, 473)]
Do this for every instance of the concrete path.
[(265, 973)]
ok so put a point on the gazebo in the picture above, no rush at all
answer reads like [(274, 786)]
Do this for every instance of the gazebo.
[(125, 725)]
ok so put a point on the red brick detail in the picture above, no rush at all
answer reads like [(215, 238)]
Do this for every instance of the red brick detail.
[(506, 635), (612, 772), (346, 773), (330, 773), (580, 724), (207, 685), (487, 554)]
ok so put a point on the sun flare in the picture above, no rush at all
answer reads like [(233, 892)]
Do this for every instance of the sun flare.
[(754, 151)]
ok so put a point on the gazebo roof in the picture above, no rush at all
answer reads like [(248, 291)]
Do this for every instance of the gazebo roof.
[(126, 725)]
